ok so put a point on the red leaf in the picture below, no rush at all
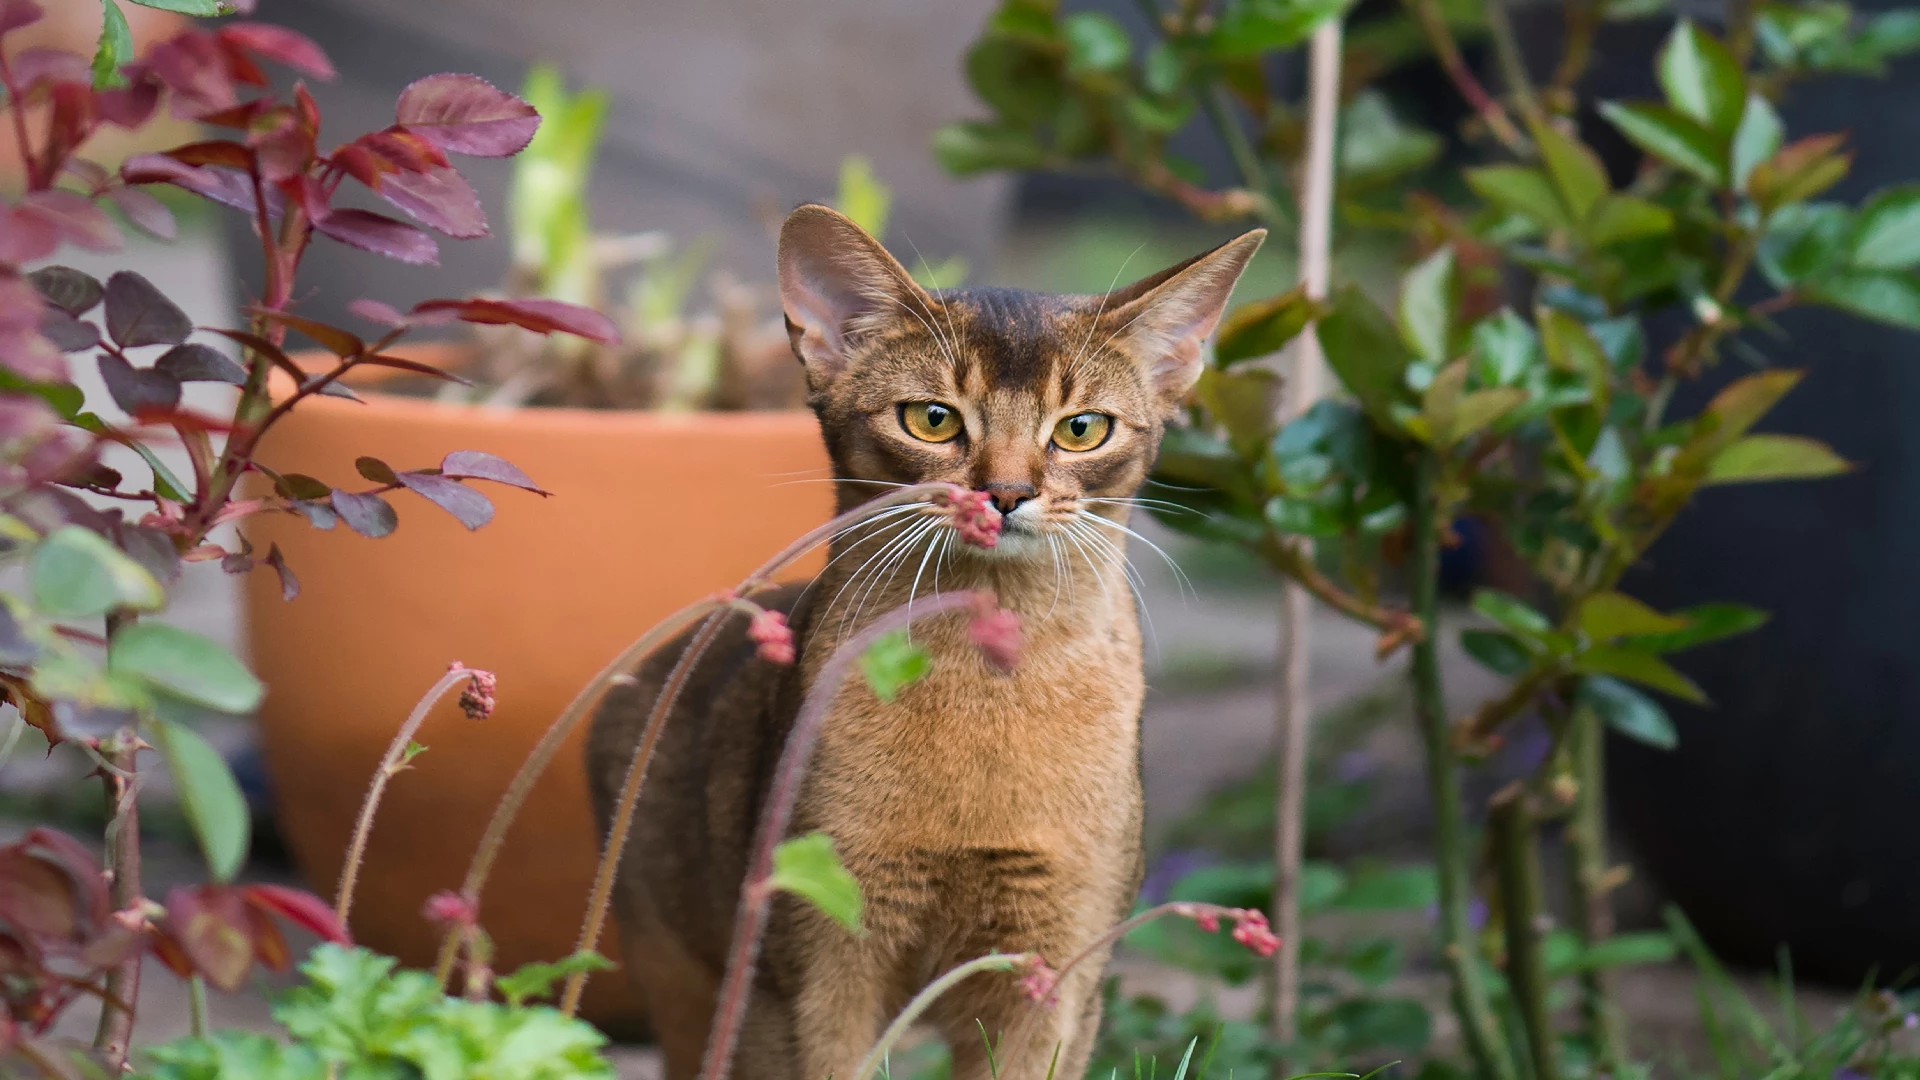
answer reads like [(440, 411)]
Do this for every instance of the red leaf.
[(281, 45), (302, 909), (439, 199), (15, 14), (67, 288), (26, 236), (213, 927), (331, 338), (95, 176), (480, 465), (240, 116), (74, 217), (147, 213), (465, 114), (70, 122), (468, 506), (24, 352), (540, 316), (42, 65), (195, 68), (228, 187), (264, 347), (369, 515), (381, 235), (377, 311), (284, 143), (415, 366), (269, 944), (220, 152), (404, 150), (140, 392), (132, 105), (289, 585)]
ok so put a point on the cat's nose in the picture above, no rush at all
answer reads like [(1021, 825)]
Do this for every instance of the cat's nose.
[(1007, 497)]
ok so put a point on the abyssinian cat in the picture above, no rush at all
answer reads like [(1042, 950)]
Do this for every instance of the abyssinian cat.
[(979, 812)]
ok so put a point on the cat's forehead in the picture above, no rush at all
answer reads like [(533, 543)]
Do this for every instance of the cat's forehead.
[(1013, 339)]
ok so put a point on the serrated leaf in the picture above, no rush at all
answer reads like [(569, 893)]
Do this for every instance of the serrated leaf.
[(1263, 327), (187, 665), (1426, 305), (1886, 234), (115, 47), (536, 980), (139, 314), (1608, 615), (201, 9), (1523, 191), (77, 573), (1576, 171), (1742, 403), (1774, 457), (1636, 665), (1672, 137), (893, 663), (1891, 297), (808, 867), (1364, 350), (1702, 80), (1628, 711), (210, 796)]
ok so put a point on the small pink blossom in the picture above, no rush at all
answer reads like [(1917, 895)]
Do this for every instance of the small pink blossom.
[(451, 911), (477, 699), (995, 632), (975, 518), (769, 630), (1251, 929), (1205, 916), (1039, 980)]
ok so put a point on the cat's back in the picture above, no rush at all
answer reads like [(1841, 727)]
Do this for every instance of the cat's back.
[(693, 826)]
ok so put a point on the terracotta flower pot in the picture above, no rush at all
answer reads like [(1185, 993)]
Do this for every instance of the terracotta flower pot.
[(649, 512)]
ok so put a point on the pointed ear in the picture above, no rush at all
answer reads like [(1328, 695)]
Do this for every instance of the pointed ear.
[(1165, 319), (836, 283)]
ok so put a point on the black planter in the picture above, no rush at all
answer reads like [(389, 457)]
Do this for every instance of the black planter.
[(1781, 818)]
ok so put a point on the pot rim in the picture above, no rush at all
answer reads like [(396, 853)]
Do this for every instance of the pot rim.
[(547, 418)]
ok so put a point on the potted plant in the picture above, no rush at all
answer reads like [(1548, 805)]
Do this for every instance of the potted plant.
[(688, 435)]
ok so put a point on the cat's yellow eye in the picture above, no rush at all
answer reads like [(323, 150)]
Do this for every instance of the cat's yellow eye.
[(1082, 431), (930, 421)]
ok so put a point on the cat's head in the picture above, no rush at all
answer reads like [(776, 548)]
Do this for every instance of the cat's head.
[(1040, 400)]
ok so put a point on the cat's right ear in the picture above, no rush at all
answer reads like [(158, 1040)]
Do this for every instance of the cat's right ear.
[(837, 283)]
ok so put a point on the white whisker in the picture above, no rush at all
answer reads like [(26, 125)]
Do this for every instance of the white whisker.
[(1186, 584)]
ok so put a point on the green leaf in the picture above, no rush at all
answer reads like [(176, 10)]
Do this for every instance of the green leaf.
[(971, 146), (1622, 950), (1375, 962), (1890, 297), (1805, 242), (1404, 888), (1398, 1024), (1702, 79), (1674, 138), (1705, 623), (1019, 82), (1571, 347), (1263, 327), (1623, 217), (1608, 615), (1523, 191), (536, 980), (205, 9), (1511, 612), (1505, 348), (1628, 711), (1756, 140), (1095, 43), (1576, 171), (115, 48), (78, 573), (209, 795), (1245, 402), (1364, 350), (1497, 651), (1426, 305), (1886, 235), (862, 196), (1251, 27), (1376, 146), (808, 867), (1741, 404), (1482, 408), (186, 665), (1800, 171), (1774, 457), (1644, 668), (893, 663)]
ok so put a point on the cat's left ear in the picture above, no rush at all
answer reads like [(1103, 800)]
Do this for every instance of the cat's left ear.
[(1164, 320)]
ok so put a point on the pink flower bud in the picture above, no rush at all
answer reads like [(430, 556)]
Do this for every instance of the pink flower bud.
[(1039, 980), (1251, 930), (1204, 916), (975, 518), (995, 632), (769, 630), (451, 911), (477, 699)]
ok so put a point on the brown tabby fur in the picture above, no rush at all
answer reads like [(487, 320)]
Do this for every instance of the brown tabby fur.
[(978, 811)]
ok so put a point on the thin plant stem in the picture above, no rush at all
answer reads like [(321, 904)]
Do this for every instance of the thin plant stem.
[(1582, 25), (1454, 859), (391, 763), (1294, 720), (1517, 866), (114, 1036), (1592, 902), (1513, 66), (589, 696), (1447, 51), (750, 923), (197, 1005), (889, 1038)]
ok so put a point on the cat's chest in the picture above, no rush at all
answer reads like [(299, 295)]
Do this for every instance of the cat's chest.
[(968, 755)]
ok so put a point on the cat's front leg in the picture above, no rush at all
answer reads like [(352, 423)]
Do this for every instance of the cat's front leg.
[(837, 1015)]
